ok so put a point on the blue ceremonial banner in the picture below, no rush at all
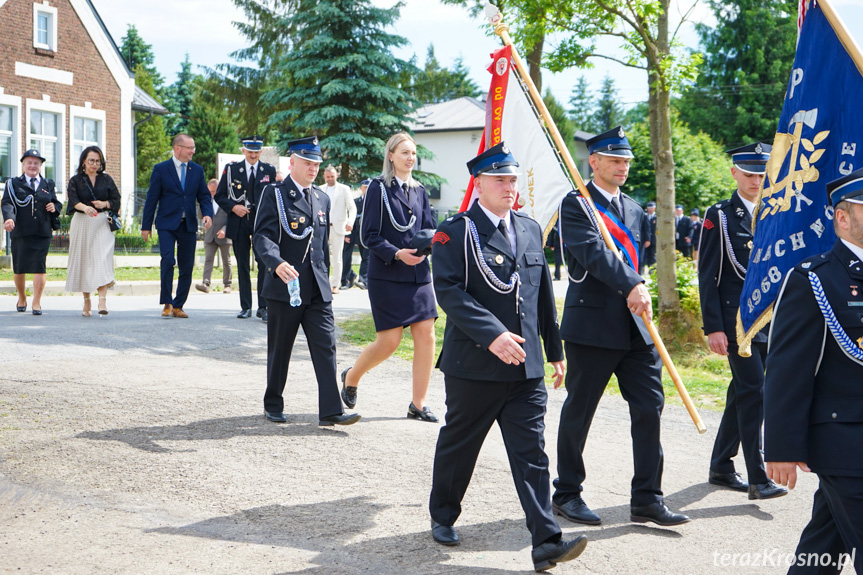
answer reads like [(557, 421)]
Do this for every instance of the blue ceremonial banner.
[(819, 139)]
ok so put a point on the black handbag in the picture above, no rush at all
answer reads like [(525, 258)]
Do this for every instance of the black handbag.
[(113, 221)]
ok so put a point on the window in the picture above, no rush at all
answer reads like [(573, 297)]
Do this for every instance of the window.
[(85, 132), (45, 27), (44, 127), (6, 124)]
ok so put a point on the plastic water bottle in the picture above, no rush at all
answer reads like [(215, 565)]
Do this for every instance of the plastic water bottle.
[(294, 291)]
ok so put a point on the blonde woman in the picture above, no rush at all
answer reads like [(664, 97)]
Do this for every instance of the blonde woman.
[(399, 280)]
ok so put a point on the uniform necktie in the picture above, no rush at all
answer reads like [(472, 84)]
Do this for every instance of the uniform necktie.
[(407, 192), (252, 178), (183, 176), (306, 195), (502, 227), (615, 201), (33, 183)]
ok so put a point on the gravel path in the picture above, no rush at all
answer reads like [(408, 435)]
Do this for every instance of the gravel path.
[(132, 444)]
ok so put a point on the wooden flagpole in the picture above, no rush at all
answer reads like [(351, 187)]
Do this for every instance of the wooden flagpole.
[(502, 30)]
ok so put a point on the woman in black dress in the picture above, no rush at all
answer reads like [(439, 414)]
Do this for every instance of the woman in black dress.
[(29, 205), (399, 282)]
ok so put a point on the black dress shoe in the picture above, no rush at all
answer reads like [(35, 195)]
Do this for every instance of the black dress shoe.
[(577, 511), (444, 534), (262, 313), (548, 555), (342, 419), (767, 490), (258, 313), (245, 314), (349, 393), (423, 414), (730, 480), (658, 513), (276, 416)]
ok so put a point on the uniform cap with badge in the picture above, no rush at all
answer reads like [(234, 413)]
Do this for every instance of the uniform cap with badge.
[(611, 143), (307, 149), (847, 188), (253, 143), (752, 158), (32, 153), (496, 161)]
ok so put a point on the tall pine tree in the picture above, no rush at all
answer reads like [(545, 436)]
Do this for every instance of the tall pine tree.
[(211, 124), (581, 106), (435, 84), (748, 57), (179, 99), (135, 52), (608, 113), (340, 82)]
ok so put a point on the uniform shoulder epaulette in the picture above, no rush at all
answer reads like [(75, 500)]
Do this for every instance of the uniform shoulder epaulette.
[(813, 262), (522, 214), (458, 216)]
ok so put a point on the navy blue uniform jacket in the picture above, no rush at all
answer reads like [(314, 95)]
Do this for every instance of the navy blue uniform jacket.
[(595, 311), (813, 392), (274, 246), (383, 240), (477, 315), (32, 219), (172, 200), (720, 279), (265, 174)]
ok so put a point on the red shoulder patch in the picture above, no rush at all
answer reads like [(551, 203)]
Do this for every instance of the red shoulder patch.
[(708, 225), (440, 238)]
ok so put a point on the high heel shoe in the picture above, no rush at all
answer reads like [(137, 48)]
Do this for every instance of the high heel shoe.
[(86, 311), (103, 305)]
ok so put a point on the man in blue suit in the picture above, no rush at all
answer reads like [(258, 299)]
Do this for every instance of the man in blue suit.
[(175, 185)]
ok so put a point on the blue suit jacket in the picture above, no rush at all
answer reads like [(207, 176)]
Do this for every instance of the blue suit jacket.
[(166, 193)]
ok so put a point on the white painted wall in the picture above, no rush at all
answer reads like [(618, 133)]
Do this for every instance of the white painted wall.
[(452, 151)]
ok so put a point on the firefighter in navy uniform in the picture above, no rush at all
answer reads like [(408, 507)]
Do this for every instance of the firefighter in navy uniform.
[(726, 241), (603, 333), (291, 238), (813, 394), (498, 303), (248, 178)]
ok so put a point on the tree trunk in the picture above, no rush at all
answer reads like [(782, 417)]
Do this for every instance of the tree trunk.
[(659, 102), (534, 64)]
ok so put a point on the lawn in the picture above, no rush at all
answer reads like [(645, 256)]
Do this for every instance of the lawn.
[(706, 375), (120, 274)]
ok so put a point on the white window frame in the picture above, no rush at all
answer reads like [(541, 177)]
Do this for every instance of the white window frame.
[(60, 110), (14, 102), (51, 13), (87, 114)]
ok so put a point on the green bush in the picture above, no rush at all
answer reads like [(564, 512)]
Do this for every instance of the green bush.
[(687, 286), (132, 242)]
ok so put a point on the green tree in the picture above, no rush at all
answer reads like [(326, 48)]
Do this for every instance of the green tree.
[(608, 112), (564, 124), (649, 43), (211, 124), (342, 83), (702, 170), (738, 97), (435, 84), (153, 144), (581, 106), (179, 99), (137, 52)]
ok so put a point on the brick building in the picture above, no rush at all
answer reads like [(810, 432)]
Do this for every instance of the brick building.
[(63, 86)]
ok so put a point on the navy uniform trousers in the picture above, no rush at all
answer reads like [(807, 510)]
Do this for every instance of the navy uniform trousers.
[(242, 248), (519, 409), (744, 412), (639, 376)]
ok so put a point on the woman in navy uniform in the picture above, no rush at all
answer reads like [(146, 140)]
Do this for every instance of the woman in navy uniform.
[(726, 241), (291, 233), (30, 207), (499, 302), (813, 403), (399, 280)]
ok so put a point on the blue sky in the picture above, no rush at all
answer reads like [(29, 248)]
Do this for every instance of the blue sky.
[(203, 29)]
